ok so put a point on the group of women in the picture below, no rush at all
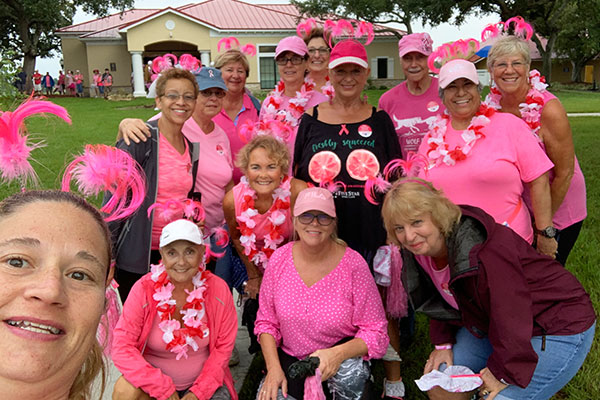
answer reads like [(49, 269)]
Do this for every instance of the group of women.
[(309, 251)]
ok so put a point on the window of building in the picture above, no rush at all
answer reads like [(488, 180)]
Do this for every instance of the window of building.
[(382, 68), (267, 68)]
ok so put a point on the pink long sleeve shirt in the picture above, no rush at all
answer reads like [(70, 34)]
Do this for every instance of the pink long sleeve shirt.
[(344, 303), (133, 329)]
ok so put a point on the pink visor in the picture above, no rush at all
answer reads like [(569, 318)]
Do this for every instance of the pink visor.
[(419, 42), (455, 69)]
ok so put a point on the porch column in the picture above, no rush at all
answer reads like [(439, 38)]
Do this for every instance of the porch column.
[(138, 74), (205, 58)]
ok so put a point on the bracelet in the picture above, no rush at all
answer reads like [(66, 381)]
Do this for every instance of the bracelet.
[(443, 347)]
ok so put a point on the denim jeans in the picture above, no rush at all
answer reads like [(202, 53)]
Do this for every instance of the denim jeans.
[(557, 364), (223, 264)]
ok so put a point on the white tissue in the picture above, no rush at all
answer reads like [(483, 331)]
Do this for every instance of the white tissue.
[(446, 382)]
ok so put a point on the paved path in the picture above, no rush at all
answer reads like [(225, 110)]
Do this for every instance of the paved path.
[(239, 371)]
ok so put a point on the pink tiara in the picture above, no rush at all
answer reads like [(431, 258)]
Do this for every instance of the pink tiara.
[(344, 29), (232, 42), (519, 26), (168, 61)]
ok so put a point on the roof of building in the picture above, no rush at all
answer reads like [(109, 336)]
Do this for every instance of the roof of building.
[(240, 16)]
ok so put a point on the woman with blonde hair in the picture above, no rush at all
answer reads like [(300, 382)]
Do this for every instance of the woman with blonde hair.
[(55, 251), (520, 91), (258, 209), (469, 274)]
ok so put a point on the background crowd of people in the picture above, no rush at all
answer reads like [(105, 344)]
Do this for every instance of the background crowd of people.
[(66, 84)]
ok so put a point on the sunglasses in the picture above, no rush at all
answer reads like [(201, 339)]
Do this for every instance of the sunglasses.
[(307, 219), (219, 94)]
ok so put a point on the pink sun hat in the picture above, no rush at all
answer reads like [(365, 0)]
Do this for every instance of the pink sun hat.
[(291, 43), (419, 42), (457, 68), (317, 199), (348, 51)]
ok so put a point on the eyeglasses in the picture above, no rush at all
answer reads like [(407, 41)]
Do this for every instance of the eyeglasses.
[(295, 60), (321, 50), (307, 219), (219, 94), (517, 65), (188, 98)]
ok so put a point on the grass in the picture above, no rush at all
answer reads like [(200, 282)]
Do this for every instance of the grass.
[(96, 121)]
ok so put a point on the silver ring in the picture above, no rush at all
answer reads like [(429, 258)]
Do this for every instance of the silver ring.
[(485, 393)]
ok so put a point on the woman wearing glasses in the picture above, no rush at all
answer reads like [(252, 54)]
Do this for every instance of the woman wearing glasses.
[(519, 91), (215, 164), (319, 299), (318, 60), (294, 93), (170, 162)]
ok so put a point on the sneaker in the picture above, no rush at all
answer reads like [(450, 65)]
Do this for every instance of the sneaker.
[(235, 357)]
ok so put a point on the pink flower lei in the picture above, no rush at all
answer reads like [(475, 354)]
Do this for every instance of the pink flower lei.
[(531, 110), (176, 337), (296, 106), (439, 151), (246, 222)]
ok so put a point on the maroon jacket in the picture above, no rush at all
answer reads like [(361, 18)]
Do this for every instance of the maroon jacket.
[(505, 290)]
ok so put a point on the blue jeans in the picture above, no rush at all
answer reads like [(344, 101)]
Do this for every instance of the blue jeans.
[(557, 364), (223, 264)]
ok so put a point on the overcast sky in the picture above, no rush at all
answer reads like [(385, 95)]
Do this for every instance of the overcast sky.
[(440, 34)]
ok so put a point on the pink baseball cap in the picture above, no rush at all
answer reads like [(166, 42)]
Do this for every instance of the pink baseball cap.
[(291, 43), (315, 198), (348, 51), (419, 42), (457, 68)]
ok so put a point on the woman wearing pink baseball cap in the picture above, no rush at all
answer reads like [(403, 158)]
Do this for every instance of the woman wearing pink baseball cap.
[(318, 299), (484, 158)]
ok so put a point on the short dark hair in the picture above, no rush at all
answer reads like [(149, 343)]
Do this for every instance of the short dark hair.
[(174, 73)]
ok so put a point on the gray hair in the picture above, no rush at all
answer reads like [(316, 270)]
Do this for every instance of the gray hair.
[(507, 46)]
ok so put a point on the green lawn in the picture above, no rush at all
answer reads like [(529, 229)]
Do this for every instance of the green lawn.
[(96, 121)]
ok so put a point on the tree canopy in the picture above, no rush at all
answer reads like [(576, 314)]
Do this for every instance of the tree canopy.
[(28, 26)]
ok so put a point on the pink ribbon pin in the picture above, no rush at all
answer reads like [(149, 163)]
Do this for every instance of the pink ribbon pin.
[(344, 130)]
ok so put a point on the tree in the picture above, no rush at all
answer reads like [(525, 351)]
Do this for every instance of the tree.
[(579, 39), (28, 26)]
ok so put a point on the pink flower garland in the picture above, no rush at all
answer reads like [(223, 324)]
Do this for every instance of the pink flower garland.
[(296, 107), (531, 110), (246, 222), (194, 313), (439, 151)]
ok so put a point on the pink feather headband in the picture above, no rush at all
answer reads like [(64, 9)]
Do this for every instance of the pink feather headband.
[(15, 147), (344, 29), (462, 48), (382, 182), (274, 127), (518, 25), (163, 63), (232, 42), (103, 168)]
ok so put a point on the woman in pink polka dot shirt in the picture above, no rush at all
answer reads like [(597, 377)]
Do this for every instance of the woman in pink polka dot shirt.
[(318, 299)]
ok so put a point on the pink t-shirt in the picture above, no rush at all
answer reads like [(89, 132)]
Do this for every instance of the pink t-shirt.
[(413, 115), (316, 98), (262, 220), (573, 208), (492, 175), (440, 278), (214, 169), (184, 371), (344, 303), (247, 113), (174, 180)]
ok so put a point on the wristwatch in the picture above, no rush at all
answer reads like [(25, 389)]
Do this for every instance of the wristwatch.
[(549, 232)]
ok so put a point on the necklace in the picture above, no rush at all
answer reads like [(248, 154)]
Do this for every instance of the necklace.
[(176, 337), (531, 110), (439, 151), (259, 255), (328, 89), (296, 105)]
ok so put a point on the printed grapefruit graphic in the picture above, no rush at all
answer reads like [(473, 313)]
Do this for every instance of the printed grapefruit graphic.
[(324, 166), (362, 164)]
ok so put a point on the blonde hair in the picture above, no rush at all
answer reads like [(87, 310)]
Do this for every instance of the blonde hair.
[(233, 56), (506, 46), (276, 150), (93, 364), (174, 73), (410, 198)]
